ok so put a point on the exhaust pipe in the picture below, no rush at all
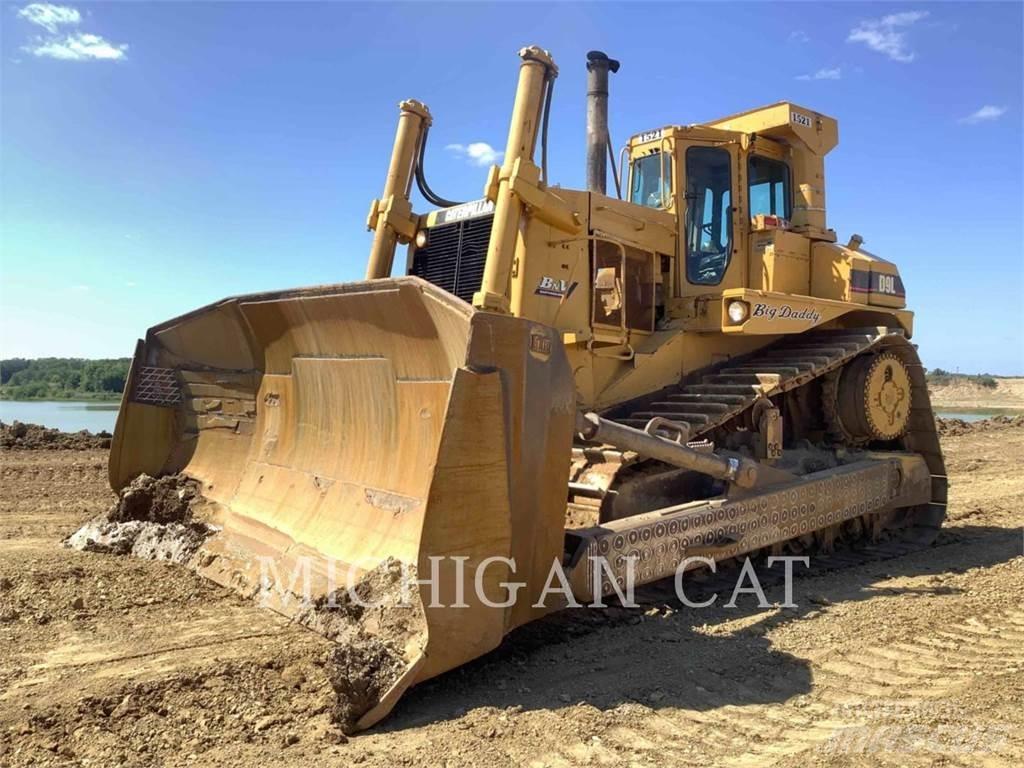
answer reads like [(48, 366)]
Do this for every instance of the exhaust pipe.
[(598, 67)]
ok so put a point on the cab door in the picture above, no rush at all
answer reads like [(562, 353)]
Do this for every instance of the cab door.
[(712, 236)]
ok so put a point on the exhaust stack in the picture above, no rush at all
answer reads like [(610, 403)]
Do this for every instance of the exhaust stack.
[(598, 67)]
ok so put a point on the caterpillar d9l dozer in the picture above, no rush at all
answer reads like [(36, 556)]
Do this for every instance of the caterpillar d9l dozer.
[(561, 377)]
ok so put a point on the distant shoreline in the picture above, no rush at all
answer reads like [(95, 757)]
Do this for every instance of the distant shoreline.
[(969, 394), (993, 410), (86, 397)]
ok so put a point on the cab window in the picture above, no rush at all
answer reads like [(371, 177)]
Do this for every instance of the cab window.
[(708, 214), (625, 288), (648, 187), (769, 187)]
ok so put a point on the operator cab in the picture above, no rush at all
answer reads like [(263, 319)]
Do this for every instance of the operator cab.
[(730, 186)]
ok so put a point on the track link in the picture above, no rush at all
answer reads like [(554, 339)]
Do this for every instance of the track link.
[(726, 396), (718, 397)]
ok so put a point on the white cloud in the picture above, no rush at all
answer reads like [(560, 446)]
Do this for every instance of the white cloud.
[(49, 17), (78, 46), (799, 36), (887, 35), (985, 114), (478, 153), (823, 74), (70, 46)]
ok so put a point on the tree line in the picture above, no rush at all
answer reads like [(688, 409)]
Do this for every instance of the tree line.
[(61, 378), (941, 378)]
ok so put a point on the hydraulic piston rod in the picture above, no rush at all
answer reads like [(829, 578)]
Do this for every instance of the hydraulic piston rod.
[(742, 472), (537, 66), (391, 216)]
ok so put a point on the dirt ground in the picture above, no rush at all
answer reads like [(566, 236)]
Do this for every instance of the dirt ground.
[(1008, 394), (916, 660)]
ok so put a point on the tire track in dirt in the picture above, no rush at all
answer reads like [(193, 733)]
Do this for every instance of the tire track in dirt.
[(851, 690)]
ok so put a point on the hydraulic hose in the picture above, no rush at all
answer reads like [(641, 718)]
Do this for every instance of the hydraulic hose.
[(615, 170), (421, 179), (436, 200), (544, 129)]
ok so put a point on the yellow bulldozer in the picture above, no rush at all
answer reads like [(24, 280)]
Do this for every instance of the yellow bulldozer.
[(560, 377)]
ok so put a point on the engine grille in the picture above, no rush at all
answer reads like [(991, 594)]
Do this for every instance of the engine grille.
[(454, 256)]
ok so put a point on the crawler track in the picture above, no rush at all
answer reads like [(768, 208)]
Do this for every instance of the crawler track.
[(714, 404)]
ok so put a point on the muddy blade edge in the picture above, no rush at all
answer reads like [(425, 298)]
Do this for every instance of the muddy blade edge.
[(347, 426)]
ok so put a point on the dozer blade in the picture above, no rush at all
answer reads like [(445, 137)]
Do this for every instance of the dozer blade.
[(359, 425)]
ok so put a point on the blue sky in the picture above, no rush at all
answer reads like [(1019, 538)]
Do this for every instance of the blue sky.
[(159, 156)]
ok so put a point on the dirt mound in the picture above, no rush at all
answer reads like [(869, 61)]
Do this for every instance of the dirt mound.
[(152, 519), (165, 499), (380, 630), (360, 674), (379, 627), (28, 437), (956, 427)]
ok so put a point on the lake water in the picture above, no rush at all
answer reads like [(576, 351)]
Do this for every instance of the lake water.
[(65, 415), (972, 416), (72, 416)]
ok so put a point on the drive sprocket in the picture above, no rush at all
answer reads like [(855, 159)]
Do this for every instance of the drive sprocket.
[(869, 399)]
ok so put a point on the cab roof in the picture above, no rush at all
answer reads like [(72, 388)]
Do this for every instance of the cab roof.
[(784, 121)]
